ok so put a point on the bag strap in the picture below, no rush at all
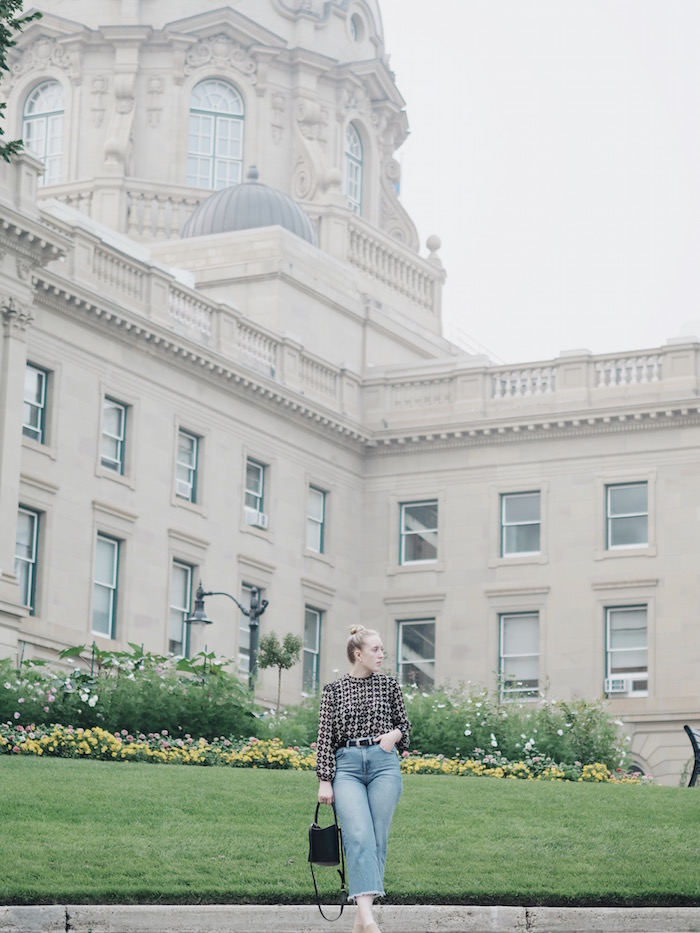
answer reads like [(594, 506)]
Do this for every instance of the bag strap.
[(341, 870)]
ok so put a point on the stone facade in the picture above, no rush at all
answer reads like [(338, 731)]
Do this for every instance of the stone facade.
[(324, 368)]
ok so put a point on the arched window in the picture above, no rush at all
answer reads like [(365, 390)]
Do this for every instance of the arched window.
[(42, 128), (215, 149), (353, 169)]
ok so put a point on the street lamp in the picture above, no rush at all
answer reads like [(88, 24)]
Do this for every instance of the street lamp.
[(253, 613)]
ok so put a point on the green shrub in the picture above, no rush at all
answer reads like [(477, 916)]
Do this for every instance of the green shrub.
[(135, 691), (465, 722)]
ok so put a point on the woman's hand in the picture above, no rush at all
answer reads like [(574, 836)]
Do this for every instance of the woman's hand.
[(325, 792), (388, 741)]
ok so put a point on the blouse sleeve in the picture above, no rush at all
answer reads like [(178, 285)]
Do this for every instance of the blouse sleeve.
[(400, 717), (325, 753)]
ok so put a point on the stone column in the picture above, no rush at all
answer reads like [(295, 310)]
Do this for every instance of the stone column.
[(13, 359)]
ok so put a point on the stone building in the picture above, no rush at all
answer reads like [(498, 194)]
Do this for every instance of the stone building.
[(222, 359)]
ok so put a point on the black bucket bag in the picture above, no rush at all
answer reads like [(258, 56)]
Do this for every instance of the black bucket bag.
[(326, 848)]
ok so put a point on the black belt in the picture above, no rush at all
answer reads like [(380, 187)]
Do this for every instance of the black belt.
[(361, 743)]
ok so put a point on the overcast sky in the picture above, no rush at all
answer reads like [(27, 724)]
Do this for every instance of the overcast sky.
[(555, 149)]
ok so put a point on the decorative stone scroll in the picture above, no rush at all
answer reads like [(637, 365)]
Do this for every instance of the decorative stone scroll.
[(16, 317), (40, 55), (221, 52)]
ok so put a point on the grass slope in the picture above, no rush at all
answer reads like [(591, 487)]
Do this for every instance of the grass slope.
[(97, 832)]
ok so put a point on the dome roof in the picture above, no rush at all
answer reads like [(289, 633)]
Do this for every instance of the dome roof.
[(245, 206)]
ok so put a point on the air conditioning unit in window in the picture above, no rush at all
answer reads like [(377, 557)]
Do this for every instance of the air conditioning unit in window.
[(255, 518), (626, 684), (616, 685)]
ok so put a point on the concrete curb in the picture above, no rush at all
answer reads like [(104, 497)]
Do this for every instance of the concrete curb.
[(87, 918)]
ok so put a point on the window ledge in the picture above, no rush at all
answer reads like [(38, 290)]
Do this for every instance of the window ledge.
[(643, 551), (436, 566), (319, 556), (179, 502), (45, 449), (115, 477), (536, 557)]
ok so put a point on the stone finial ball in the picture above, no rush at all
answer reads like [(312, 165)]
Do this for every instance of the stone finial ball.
[(433, 243)]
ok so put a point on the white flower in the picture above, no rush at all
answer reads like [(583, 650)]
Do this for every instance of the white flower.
[(467, 731), (441, 705), (478, 704), (92, 700), (494, 740), (84, 697), (560, 732)]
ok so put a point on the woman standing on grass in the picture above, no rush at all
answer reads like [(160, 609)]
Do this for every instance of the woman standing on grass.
[(362, 720)]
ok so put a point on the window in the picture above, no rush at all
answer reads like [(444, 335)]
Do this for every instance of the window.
[(316, 520), (180, 600), (312, 650), (626, 650), (520, 523), (255, 494), (353, 169), (34, 409), (627, 515), (26, 556), (113, 435), (416, 654), (215, 149), (186, 470), (419, 523), (104, 594), (42, 128), (518, 666)]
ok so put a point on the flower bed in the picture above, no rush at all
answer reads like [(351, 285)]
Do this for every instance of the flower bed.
[(160, 748)]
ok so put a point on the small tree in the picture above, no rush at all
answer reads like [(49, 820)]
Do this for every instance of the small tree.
[(282, 656), (11, 24)]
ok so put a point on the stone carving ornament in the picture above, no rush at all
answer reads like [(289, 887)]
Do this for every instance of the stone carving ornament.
[(221, 52), (42, 53)]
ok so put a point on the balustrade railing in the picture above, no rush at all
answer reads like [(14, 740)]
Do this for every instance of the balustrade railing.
[(119, 274), (317, 378), (189, 312), (627, 371), (257, 349), (519, 383)]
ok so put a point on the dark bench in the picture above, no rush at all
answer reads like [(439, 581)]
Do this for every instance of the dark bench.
[(694, 736)]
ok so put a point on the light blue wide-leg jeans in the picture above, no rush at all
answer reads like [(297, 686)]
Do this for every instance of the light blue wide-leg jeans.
[(366, 787)]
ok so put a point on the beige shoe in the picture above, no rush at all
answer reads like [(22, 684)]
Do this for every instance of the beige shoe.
[(371, 928)]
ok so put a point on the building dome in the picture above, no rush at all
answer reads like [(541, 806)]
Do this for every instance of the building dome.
[(245, 206)]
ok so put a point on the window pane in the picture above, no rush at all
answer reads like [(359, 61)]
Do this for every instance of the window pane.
[(419, 531), (629, 531), (522, 508), (417, 653), (520, 635), (628, 500), (105, 566), (522, 539), (519, 661), (102, 611), (420, 516)]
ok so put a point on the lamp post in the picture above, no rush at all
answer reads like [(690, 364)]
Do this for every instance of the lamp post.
[(253, 613)]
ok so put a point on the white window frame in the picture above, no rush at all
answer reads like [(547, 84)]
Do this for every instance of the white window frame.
[(406, 533), (423, 663), (505, 524), (610, 518), (354, 168), (187, 471), (179, 611), (26, 564), (114, 464), (111, 585), (634, 677), (316, 520), (43, 129), (34, 409), (255, 495), (311, 657), (520, 690), (220, 163)]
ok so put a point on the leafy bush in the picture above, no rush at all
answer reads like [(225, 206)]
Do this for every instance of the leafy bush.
[(297, 725), (466, 723), (136, 691)]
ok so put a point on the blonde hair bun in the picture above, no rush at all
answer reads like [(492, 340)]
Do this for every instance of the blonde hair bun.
[(356, 629)]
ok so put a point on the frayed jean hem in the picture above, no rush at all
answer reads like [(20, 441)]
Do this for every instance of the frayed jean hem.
[(351, 897)]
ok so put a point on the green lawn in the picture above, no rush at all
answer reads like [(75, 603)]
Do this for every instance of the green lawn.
[(98, 832)]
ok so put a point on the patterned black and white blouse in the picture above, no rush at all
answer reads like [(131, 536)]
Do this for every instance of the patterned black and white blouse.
[(354, 708)]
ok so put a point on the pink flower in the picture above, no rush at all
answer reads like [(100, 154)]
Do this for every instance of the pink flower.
[(15, 749), (46, 709), (16, 715), (404, 754), (51, 698), (21, 700)]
